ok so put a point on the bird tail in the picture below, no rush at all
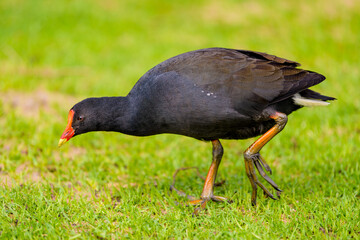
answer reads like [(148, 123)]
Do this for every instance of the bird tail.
[(309, 98)]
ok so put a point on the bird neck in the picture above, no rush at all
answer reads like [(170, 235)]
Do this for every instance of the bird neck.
[(122, 114), (114, 114)]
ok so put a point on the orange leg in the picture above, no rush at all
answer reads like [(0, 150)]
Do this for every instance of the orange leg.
[(254, 160), (208, 189)]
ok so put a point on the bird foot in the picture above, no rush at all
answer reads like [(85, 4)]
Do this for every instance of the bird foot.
[(253, 161), (202, 202), (194, 200), (183, 194)]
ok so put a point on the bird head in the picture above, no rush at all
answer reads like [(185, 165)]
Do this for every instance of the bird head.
[(82, 118), (96, 114)]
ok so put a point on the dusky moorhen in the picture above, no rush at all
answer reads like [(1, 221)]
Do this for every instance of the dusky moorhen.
[(208, 94)]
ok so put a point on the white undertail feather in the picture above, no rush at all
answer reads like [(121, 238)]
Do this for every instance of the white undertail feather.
[(307, 102)]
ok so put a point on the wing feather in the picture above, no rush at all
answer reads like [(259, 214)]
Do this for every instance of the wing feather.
[(251, 80)]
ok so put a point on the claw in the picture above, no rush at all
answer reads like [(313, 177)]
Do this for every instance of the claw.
[(263, 174), (256, 180), (263, 162), (250, 163)]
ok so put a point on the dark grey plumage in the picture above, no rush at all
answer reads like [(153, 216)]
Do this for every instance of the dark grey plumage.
[(208, 94), (213, 93)]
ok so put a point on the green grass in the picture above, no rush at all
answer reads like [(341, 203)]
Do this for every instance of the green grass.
[(108, 185)]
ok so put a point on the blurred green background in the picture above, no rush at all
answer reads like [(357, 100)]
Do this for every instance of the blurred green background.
[(108, 185)]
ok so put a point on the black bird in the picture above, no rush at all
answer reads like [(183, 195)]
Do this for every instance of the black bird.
[(208, 94)]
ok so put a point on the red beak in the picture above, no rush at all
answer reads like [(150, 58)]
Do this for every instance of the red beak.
[(69, 131)]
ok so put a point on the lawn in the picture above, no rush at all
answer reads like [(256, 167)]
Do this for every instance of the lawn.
[(109, 185)]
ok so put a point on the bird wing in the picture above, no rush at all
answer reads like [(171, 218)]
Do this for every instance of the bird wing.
[(251, 80)]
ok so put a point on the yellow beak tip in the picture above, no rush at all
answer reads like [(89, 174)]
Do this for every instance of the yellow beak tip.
[(62, 141)]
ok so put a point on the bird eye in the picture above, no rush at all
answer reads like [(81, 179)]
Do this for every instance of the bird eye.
[(80, 118)]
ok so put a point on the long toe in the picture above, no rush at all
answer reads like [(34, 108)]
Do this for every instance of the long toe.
[(257, 160), (220, 199), (201, 203), (200, 208), (252, 162), (196, 202)]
